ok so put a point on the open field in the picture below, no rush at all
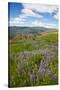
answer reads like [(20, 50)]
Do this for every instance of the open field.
[(33, 59)]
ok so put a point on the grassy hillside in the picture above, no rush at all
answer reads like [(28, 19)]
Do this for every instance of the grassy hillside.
[(25, 42), (33, 59)]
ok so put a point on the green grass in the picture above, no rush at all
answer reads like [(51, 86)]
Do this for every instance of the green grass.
[(42, 41), (22, 78), (21, 70)]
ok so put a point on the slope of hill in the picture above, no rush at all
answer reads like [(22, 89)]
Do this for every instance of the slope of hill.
[(18, 30), (33, 60)]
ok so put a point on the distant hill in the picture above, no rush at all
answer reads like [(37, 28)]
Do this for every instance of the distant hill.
[(13, 30)]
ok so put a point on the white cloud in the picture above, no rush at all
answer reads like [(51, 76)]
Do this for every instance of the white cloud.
[(22, 20), (42, 24), (41, 8), (37, 23), (29, 12), (50, 25), (56, 16), (16, 21)]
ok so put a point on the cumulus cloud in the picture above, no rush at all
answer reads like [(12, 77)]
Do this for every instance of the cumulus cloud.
[(22, 22), (41, 8), (42, 24), (29, 12), (16, 21), (56, 16), (50, 25), (37, 23), (23, 19)]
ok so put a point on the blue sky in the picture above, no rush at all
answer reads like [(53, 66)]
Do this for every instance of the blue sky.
[(27, 14)]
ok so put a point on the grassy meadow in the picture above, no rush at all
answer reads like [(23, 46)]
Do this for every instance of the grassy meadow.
[(33, 59)]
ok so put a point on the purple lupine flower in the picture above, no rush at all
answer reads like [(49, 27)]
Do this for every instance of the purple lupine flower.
[(54, 76), (42, 66), (42, 71), (32, 78)]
